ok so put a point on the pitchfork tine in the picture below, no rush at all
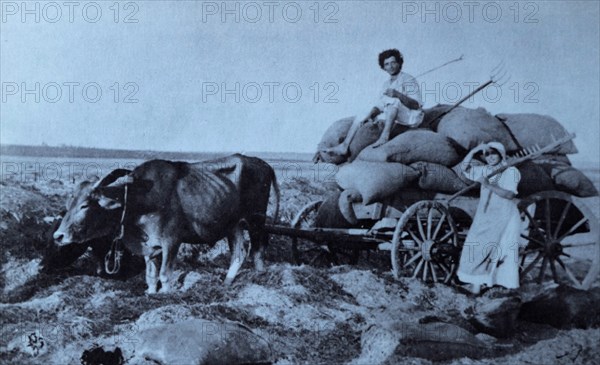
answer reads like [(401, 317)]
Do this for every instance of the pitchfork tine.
[(496, 69), (503, 82)]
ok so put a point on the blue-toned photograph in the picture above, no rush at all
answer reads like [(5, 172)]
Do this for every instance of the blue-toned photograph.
[(299, 182)]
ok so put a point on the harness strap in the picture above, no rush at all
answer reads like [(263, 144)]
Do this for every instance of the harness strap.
[(112, 260)]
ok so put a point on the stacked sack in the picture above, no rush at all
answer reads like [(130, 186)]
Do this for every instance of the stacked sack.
[(552, 171), (428, 158)]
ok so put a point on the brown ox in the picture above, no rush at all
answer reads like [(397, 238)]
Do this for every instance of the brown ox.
[(167, 203)]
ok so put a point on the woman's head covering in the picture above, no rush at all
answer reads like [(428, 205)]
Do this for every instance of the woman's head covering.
[(498, 147)]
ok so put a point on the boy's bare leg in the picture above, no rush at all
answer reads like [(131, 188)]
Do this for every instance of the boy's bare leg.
[(342, 148), (390, 117)]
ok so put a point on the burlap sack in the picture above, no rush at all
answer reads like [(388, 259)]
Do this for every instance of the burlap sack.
[(375, 180), (470, 127), (531, 129), (366, 135), (431, 118), (437, 178), (198, 341), (533, 179), (330, 215), (336, 134), (570, 180), (333, 136), (414, 146)]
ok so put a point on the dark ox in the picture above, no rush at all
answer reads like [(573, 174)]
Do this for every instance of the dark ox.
[(167, 203)]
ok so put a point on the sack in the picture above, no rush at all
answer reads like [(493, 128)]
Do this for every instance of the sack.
[(414, 146), (333, 136), (329, 214), (471, 127), (531, 129), (337, 133), (438, 178), (533, 179), (570, 180), (375, 180), (366, 135), (430, 119)]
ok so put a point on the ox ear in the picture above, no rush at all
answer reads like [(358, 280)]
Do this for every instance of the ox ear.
[(109, 197)]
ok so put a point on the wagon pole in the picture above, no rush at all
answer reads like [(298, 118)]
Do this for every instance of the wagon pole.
[(526, 154)]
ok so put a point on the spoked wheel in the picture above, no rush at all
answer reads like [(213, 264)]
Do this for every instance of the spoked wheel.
[(426, 241), (320, 254), (562, 240), (305, 251)]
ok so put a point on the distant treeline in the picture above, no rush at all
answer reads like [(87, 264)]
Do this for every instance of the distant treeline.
[(88, 152)]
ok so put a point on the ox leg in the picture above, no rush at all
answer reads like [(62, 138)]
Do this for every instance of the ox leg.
[(238, 254), (166, 268), (259, 239), (151, 275)]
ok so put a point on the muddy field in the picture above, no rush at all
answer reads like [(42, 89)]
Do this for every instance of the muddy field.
[(343, 314)]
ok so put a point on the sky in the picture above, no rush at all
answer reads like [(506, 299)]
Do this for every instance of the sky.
[(272, 76)]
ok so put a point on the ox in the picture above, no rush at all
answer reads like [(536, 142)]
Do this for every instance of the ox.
[(161, 204), (59, 257)]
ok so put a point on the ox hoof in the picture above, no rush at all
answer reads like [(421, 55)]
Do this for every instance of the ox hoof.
[(259, 266), (165, 290)]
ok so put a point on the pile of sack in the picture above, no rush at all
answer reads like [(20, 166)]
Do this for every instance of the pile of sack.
[(428, 158)]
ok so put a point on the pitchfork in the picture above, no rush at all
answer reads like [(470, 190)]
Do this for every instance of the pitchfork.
[(499, 76)]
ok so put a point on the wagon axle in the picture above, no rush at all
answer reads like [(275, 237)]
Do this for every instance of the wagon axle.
[(554, 249), (426, 249)]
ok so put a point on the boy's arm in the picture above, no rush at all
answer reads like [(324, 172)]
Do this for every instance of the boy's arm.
[(406, 100)]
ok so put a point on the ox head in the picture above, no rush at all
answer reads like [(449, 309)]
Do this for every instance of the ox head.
[(90, 213)]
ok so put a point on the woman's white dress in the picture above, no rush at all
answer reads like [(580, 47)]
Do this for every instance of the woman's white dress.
[(490, 254)]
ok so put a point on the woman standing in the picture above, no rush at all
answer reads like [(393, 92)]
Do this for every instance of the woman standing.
[(490, 254)]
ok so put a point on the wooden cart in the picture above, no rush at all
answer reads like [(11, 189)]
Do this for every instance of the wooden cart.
[(424, 233)]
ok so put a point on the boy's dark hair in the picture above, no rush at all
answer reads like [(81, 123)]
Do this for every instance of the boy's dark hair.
[(390, 53)]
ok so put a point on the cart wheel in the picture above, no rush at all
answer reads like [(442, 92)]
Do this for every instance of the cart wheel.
[(426, 239), (305, 251), (317, 253), (559, 231)]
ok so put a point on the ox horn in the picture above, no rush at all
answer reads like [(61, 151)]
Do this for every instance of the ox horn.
[(112, 177)]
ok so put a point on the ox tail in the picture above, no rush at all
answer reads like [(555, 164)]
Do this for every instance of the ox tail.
[(277, 197)]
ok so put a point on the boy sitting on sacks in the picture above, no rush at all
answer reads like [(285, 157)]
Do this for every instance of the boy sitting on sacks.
[(400, 102)]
